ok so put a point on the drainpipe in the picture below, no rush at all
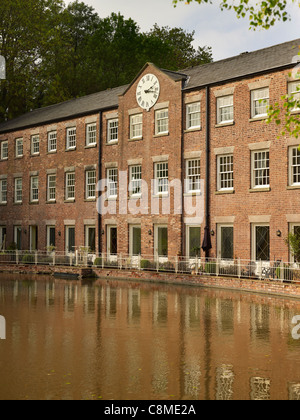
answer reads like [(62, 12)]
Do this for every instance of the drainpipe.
[(99, 179), (207, 159)]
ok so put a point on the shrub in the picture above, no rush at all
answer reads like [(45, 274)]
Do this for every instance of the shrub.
[(211, 267), (98, 262), (28, 258), (145, 264)]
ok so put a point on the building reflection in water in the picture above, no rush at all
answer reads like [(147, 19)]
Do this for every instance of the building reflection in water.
[(123, 340)]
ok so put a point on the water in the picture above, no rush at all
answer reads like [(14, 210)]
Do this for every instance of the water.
[(128, 341)]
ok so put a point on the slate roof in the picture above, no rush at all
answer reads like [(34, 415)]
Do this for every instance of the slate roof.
[(260, 61)]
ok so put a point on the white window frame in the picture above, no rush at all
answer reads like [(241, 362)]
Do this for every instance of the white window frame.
[(162, 121), (193, 175), (91, 134), (19, 147), (112, 182), (131, 228), (135, 180), (294, 167), (90, 187), (51, 189), (112, 130), (18, 190), (71, 138), (253, 239), (193, 116), (4, 150), (257, 97), (3, 191), (70, 186), (161, 187), (227, 172), (52, 141), (136, 126), (225, 103), (294, 91), (35, 145), (254, 170), (34, 189)]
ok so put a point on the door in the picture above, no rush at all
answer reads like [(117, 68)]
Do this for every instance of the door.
[(161, 242), (135, 235), (112, 242), (225, 242), (193, 241), (33, 232)]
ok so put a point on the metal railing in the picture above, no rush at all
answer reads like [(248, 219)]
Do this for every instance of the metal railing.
[(237, 268)]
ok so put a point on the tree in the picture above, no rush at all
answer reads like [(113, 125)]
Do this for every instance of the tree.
[(263, 14)]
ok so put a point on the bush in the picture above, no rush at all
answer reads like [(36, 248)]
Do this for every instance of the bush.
[(98, 262), (145, 264), (28, 258), (211, 267), (167, 266)]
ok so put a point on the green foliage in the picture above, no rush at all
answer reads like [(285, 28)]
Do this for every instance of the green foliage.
[(56, 52), (262, 14), (28, 258), (98, 262), (293, 241), (211, 267), (145, 264)]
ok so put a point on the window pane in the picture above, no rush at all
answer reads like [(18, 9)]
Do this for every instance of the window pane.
[(227, 242), (225, 172), (261, 169), (135, 184), (91, 132), (194, 241), (193, 115), (112, 132), (262, 236)]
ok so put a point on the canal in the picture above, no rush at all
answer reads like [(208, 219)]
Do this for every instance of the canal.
[(142, 341)]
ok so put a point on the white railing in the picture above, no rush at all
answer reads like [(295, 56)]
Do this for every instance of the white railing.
[(238, 268)]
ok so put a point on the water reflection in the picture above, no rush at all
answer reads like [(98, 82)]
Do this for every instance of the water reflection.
[(123, 340)]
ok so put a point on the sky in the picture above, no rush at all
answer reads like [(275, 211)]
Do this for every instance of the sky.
[(221, 30)]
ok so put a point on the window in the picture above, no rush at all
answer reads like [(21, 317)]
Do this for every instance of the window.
[(52, 141), (136, 126), (294, 164), (193, 241), (33, 238), (70, 186), (193, 175), (193, 116), (18, 190), (50, 236), (71, 138), (225, 172), (112, 179), (3, 191), (90, 177), (112, 240), (91, 134), (161, 178), (135, 234), (112, 130), (259, 102), (260, 169), (294, 228), (162, 121), (4, 150), (161, 241), (225, 242), (34, 188), (18, 236), (225, 109), (135, 180), (261, 242), (70, 239), (35, 145), (51, 188), (90, 238), (2, 237), (294, 91), (19, 147)]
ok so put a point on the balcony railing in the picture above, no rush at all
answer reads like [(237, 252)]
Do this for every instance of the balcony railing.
[(261, 270)]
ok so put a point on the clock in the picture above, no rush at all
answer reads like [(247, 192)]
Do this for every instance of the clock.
[(147, 91)]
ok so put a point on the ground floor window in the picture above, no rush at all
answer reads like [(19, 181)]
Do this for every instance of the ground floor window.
[(18, 237), (225, 242), (2, 237), (90, 238), (193, 238), (70, 239), (161, 241), (135, 235), (50, 237), (112, 240), (261, 242), (294, 228), (33, 234)]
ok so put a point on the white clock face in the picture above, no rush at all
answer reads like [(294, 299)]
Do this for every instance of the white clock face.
[(147, 91)]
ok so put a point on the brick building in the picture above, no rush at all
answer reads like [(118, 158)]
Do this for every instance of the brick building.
[(175, 152)]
